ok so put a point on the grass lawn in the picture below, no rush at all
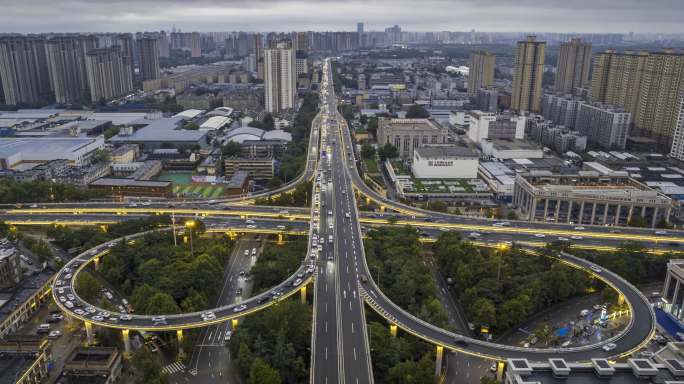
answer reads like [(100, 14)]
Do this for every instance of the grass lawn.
[(182, 184), (371, 165)]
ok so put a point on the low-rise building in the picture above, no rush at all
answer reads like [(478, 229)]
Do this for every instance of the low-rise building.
[(10, 268), (153, 134), (499, 178), (258, 168), (511, 149), (588, 197), (24, 359), (77, 150), (408, 134), (597, 371), (131, 187), (444, 162), (96, 365), (489, 125)]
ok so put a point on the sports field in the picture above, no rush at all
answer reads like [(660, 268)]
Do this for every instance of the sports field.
[(182, 184)]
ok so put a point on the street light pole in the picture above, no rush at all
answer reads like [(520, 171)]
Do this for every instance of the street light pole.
[(190, 225)]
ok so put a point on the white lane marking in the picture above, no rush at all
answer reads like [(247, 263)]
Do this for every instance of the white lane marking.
[(354, 353)]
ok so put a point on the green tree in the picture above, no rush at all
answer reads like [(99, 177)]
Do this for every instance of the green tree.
[(262, 373), (388, 151), (637, 221), (417, 112), (147, 369), (373, 126), (544, 333), (367, 151), (483, 312), (231, 149), (437, 206), (87, 287), (100, 156), (161, 304)]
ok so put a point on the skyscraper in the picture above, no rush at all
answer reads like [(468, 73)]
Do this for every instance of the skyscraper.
[(148, 58), (481, 74), (23, 69), (195, 44), (66, 63), (108, 72), (572, 70), (359, 28), (164, 45), (527, 76), (678, 137), (280, 80), (648, 85), (127, 46)]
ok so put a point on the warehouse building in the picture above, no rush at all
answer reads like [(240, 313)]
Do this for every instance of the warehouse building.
[(152, 134), (18, 153)]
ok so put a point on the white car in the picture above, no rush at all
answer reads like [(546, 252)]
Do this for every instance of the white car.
[(595, 269), (126, 317), (98, 318), (609, 347), (79, 311), (539, 235), (239, 308), (296, 282), (579, 228), (208, 316), (54, 334), (229, 333)]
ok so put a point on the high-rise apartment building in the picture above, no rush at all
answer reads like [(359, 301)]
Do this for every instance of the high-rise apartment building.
[(302, 39), (527, 76), (66, 57), (604, 125), (189, 41), (23, 69), (109, 73), (648, 85), (359, 28), (574, 63), (678, 138), (481, 74), (280, 80), (148, 58), (163, 44)]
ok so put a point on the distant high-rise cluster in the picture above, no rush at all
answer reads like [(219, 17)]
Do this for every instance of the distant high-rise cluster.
[(527, 76), (24, 70), (148, 58), (109, 73), (66, 57)]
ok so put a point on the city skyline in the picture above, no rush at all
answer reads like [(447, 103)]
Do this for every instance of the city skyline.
[(604, 16)]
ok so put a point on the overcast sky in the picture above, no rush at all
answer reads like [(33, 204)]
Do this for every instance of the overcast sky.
[(287, 15)]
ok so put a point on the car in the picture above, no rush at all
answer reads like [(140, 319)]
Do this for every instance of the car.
[(579, 228), (364, 279), (126, 317), (296, 282), (239, 308), (281, 227), (62, 299), (98, 318), (54, 334), (242, 273), (79, 311), (263, 299), (595, 269), (492, 367), (461, 342), (254, 251), (71, 297), (227, 336), (609, 347), (208, 316), (159, 320), (560, 238), (246, 252), (249, 221), (90, 309), (60, 291), (284, 212), (575, 237), (646, 354), (661, 232), (239, 292), (251, 226), (474, 235), (330, 212)]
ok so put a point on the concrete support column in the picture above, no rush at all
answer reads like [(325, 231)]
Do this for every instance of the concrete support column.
[(593, 213), (382, 208), (280, 238), (629, 214), (500, 370), (557, 213), (655, 217), (605, 214), (675, 295), (569, 212), (89, 332), (581, 213), (179, 336), (667, 214), (621, 299), (234, 323), (96, 263), (126, 341), (302, 295), (533, 210), (439, 354), (393, 330), (666, 287), (617, 214), (546, 208)]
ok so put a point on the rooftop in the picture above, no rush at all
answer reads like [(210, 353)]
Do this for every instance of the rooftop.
[(57, 145), (445, 151), (109, 181), (168, 129)]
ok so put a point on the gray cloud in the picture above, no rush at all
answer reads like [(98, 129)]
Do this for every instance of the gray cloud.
[(284, 15)]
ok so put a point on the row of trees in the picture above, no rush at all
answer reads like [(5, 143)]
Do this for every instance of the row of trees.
[(12, 192), (300, 197), (160, 278), (88, 237), (501, 288), (272, 346)]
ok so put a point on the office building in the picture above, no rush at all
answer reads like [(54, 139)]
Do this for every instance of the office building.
[(109, 74), (148, 58), (163, 44), (359, 28), (66, 57), (604, 125), (280, 79), (488, 99), (648, 85), (527, 75), (481, 71), (24, 71), (489, 125), (598, 196), (444, 162), (408, 134), (572, 69), (677, 150)]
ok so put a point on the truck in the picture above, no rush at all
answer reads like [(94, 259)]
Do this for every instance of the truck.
[(330, 239)]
